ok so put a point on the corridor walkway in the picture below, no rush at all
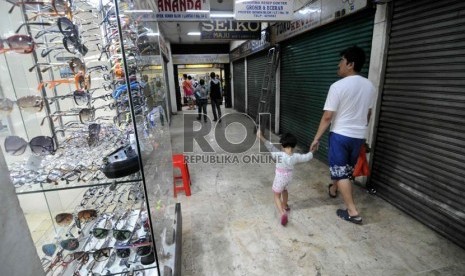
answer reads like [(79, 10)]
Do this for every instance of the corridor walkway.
[(230, 226)]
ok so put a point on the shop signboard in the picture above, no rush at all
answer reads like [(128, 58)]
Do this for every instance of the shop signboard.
[(314, 14), (200, 59), (175, 10), (229, 30), (251, 46), (264, 10)]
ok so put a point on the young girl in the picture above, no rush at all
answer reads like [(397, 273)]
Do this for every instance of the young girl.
[(285, 161)]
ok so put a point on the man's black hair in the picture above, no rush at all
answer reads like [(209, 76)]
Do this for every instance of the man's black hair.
[(356, 55), (202, 82), (288, 140)]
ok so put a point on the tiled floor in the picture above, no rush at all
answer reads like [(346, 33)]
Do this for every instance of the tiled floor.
[(230, 226)]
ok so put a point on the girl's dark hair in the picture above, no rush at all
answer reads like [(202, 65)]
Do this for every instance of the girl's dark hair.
[(202, 82), (288, 140), (356, 55)]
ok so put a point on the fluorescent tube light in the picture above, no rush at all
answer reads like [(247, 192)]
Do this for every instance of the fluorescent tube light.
[(222, 15), (193, 33), (138, 11), (198, 11)]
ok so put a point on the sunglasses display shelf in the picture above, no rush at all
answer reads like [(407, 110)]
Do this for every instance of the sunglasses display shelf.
[(84, 91)]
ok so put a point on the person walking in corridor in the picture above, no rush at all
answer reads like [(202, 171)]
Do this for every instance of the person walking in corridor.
[(201, 96), (216, 96), (347, 109), (285, 160), (188, 90)]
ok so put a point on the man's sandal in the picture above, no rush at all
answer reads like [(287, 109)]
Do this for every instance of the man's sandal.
[(344, 214)]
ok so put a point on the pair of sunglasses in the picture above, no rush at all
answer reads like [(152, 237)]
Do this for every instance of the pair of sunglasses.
[(140, 251), (58, 6), (21, 44), (28, 103), (81, 97), (99, 255), (41, 145), (64, 219), (119, 235), (81, 80)]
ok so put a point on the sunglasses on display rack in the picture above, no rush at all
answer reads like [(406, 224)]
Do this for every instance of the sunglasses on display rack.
[(81, 97), (142, 250), (47, 66), (57, 175), (64, 26), (71, 39), (49, 249), (21, 44), (49, 265), (81, 80), (58, 7), (42, 145), (85, 114), (75, 65), (27, 103), (50, 13), (65, 219)]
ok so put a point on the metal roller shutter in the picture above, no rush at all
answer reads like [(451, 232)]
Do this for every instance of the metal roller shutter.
[(419, 156), (239, 85), (309, 67), (256, 65)]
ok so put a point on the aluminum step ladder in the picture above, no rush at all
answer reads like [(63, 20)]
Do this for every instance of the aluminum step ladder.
[(268, 86)]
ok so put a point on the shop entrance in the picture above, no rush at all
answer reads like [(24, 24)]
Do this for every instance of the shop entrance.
[(198, 72)]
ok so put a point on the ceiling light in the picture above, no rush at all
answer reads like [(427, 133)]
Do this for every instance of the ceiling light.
[(193, 66), (193, 33), (308, 10), (152, 34), (222, 15), (242, 1), (198, 11)]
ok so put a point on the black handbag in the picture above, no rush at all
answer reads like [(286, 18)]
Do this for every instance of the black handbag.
[(122, 162)]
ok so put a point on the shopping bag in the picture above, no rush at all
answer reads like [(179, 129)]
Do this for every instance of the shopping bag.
[(362, 168)]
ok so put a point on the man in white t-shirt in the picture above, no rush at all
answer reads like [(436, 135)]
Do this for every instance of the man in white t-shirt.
[(347, 109)]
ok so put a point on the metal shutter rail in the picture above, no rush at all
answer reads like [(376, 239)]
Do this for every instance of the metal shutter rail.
[(255, 72), (309, 67), (239, 85), (419, 156)]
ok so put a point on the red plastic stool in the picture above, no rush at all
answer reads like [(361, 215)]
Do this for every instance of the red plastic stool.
[(179, 162)]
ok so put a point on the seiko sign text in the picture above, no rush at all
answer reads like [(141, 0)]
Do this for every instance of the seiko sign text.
[(230, 30)]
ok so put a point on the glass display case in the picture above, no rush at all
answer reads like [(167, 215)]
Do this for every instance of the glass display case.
[(84, 129)]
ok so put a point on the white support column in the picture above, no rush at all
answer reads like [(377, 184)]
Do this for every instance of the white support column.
[(18, 255), (171, 84), (379, 48)]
